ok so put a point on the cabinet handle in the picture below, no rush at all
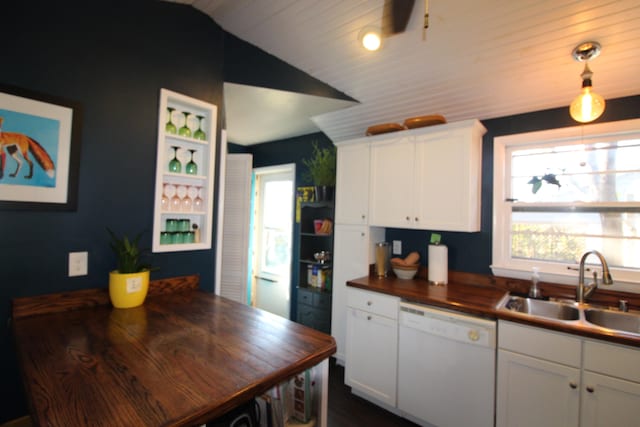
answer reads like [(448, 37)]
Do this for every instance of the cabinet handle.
[(416, 219), (363, 216), (362, 234), (368, 317), (473, 335), (573, 385), (590, 389), (369, 303)]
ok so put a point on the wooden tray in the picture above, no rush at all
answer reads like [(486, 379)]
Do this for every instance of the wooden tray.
[(384, 128), (422, 121)]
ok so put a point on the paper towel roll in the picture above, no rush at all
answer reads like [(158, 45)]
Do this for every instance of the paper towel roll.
[(438, 264)]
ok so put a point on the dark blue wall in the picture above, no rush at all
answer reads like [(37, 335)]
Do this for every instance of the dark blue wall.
[(112, 61), (471, 252)]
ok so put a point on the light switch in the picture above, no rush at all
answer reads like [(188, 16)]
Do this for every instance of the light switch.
[(78, 264), (397, 247)]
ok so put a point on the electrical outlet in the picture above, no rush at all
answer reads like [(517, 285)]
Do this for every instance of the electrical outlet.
[(397, 247), (78, 264)]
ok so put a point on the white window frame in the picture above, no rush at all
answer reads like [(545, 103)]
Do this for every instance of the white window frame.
[(502, 263)]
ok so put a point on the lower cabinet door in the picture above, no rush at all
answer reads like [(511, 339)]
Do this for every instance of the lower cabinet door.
[(533, 392), (608, 401), (372, 355)]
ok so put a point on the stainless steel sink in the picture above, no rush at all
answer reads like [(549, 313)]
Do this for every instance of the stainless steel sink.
[(547, 309), (627, 322)]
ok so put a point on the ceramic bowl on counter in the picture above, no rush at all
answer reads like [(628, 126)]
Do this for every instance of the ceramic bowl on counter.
[(406, 272)]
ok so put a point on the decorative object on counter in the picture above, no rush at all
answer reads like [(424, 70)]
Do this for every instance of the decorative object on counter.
[(438, 262), (383, 251), (383, 128), (587, 106), (129, 283), (174, 164), (321, 171), (405, 272), (534, 290), (192, 167), (406, 268), (423, 121), (170, 127), (199, 133), (185, 130)]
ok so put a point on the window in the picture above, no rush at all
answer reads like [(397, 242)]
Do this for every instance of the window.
[(562, 192)]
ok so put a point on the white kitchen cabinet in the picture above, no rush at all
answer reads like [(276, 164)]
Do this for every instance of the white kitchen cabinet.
[(353, 253), (391, 192), (352, 184), (428, 178), (610, 386), (538, 380), (183, 208), (372, 346), (532, 392), (555, 379)]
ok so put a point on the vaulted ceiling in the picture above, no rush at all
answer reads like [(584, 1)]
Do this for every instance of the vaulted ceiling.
[(477, 59)]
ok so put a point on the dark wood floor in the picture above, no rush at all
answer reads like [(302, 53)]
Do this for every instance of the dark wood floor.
[(349, 410)]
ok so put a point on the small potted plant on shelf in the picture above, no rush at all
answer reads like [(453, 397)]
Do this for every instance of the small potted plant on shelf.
[(321, 171), (129, 283)]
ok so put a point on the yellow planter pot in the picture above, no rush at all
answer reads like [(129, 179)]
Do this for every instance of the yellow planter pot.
[(128, 290)]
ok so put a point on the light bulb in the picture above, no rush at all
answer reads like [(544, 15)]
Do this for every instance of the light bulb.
[(587, 106), (371, 41)]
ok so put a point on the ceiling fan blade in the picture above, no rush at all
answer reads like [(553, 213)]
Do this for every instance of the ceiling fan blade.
[(395, 16)]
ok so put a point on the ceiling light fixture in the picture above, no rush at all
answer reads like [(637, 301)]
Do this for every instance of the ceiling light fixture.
[(587, 106), (371, 38)]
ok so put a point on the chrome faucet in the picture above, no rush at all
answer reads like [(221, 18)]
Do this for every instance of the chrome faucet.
[(583, 292)]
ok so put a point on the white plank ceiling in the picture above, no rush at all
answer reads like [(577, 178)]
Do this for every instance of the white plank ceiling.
[(480, 58)]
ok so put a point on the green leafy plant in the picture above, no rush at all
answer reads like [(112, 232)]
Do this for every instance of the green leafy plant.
[(321, 166), (128, 253)]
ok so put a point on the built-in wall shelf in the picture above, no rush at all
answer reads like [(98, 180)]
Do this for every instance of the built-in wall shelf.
[(185, 173)]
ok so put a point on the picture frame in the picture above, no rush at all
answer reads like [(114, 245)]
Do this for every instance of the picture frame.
[(39, 151)]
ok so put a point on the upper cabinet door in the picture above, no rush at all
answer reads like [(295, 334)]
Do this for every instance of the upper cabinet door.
[(352, 185), (447, 181), (391, 192)]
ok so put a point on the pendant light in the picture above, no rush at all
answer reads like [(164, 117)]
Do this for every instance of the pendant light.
[(587, 106)]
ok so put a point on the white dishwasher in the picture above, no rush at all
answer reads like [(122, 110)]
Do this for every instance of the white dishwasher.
[(446, 367)]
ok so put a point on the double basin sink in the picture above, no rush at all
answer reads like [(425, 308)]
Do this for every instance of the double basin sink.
[(567, 311)]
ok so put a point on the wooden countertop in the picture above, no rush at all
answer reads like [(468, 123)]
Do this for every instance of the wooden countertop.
[(179, 360), (480, 295)]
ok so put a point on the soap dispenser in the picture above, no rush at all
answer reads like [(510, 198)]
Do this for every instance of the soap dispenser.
[(534, 291)]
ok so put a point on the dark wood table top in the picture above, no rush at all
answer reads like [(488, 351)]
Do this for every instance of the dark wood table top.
[(179, 360)]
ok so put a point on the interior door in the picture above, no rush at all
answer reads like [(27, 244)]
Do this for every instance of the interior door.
[(272, 241), (234, 247)]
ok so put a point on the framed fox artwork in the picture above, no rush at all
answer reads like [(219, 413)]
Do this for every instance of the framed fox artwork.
[(39, 151)]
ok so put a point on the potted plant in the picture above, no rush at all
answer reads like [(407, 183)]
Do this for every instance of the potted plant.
[(129, 283), (321, 171)]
